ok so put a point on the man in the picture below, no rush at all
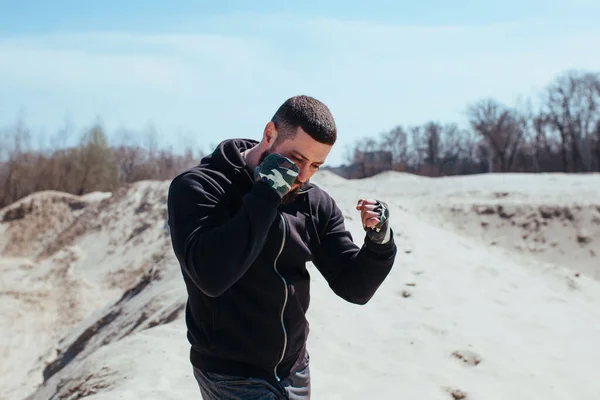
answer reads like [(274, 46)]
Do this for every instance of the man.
[(244, 222)]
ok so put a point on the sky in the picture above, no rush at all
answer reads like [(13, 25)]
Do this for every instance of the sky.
[(196, 73)]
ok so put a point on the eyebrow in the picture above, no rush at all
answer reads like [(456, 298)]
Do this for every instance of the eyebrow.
[(306, 158)]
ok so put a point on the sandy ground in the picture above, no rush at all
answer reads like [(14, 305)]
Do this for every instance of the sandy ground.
[(495, 294)]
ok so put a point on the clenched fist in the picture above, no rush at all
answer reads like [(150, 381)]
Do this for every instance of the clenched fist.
[(375, 219), (278, 172)]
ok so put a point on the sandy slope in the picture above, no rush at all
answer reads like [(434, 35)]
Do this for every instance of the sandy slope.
[(495, 294), (80, 258)]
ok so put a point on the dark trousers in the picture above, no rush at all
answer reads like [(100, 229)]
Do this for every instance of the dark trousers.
[(226, 387)]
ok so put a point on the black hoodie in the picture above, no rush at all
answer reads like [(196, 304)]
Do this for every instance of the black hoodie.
[(242, 254)]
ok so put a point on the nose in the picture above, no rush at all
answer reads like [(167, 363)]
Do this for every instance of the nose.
[(303, 174)]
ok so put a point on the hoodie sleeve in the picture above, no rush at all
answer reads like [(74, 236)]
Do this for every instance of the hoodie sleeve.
[(353, 273), (213, 247)]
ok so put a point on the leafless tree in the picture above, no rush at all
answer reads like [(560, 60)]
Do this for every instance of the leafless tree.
[(572, 108), (501, 127), (596, 135), (91, 165), (396, 142)]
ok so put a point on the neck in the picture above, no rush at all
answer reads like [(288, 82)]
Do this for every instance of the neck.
[(252, 156)]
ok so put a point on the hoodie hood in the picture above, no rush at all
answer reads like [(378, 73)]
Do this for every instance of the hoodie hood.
[(227, 157)]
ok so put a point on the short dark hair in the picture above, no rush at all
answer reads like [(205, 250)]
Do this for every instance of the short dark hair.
[(309, 113)]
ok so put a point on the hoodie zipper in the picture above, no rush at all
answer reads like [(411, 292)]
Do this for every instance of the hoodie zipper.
[(285, 298)]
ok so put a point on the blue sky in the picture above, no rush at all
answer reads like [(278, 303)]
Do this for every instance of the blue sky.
[(200, 72)]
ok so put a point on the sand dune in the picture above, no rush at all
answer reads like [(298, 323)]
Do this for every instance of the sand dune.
[(495, 294)]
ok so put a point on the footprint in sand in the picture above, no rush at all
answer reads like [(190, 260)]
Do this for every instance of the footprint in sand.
[(467, 357), (457, 394)]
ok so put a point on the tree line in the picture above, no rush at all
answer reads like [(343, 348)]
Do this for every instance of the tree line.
[(91, 165), (561, 133)]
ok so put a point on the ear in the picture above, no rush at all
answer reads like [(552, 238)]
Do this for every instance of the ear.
[(270, 134)]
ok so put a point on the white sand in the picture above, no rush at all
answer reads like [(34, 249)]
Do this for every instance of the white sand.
[(483, 302)]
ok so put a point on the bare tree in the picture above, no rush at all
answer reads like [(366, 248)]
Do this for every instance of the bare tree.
[(96, 163), (501, 127), (427, 144), (396, 142), (16, 180), (546, 147), (572, 104), (596, 145), (417, 148), (454, 150), (364, 157), (432, 132)]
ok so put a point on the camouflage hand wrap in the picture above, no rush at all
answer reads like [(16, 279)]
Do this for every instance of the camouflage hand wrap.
[(379, 232), (278, 172)]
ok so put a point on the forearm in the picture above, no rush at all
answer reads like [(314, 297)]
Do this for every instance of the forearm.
[(363, 273), (219, 256), (216, 249)]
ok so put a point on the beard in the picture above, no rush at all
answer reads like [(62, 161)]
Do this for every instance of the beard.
[(290, 196)]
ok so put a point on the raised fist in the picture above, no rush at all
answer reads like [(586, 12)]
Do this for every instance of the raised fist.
[(375, 216), (278, 172)]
